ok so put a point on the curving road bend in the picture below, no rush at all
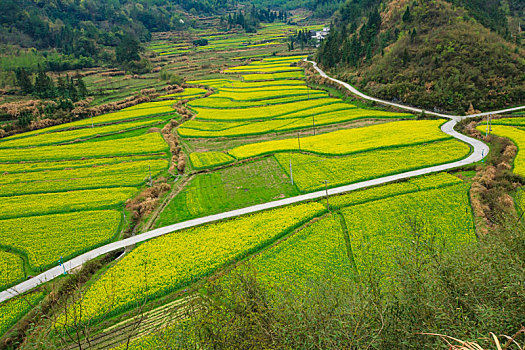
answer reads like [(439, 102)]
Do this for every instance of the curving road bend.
[(408, 108), (479, 151)]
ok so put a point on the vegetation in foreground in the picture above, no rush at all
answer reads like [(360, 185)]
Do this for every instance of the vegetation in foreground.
[(466, 293)]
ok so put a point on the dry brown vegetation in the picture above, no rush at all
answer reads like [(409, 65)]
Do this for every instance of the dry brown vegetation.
[(148, 199), (492, 183)]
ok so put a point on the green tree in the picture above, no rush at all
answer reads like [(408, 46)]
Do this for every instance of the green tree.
[(128, 50), (24, 81), (81, 87), (44, 86), (407, 16)]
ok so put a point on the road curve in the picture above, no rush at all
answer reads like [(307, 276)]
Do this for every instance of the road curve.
[(479, 151), (408, 108)]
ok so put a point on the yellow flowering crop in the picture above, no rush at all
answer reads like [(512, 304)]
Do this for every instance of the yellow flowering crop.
[(170, 262), (70, 164), (149, 143), (109, 175), (264, 112), (515, 135), (274, 76), (393, 189), (351, 140), (380, 229), (196, 128), (76, 134), (505, 121), (60, 202), (316, 251), (45, 238), (309, 170), (119, 116), (12, 310), (11, 269), (188, 92)]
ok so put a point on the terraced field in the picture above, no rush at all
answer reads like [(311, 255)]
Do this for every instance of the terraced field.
[(271, 35), (70, 183), (62, 188), (261, 105)]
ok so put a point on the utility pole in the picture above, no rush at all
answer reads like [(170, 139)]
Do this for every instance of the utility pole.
[(298, 141), (487, 130), (91, 114), (291, 172), (313, 123), (490, 123), (326, 190)]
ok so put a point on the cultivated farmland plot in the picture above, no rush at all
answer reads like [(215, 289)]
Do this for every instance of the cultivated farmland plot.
[(62, 188), (70, 183)]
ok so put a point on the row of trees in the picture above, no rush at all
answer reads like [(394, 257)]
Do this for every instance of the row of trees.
[(64, 88), (346, 45), (250, 20)]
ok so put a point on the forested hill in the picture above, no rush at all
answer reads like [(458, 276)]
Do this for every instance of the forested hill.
[(442, 54), (80, 26)]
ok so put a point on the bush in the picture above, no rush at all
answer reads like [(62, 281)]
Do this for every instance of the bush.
[(465, 293)]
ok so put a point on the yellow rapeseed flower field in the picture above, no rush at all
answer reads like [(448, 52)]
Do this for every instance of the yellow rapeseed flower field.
[(349, 141), (170, 262)]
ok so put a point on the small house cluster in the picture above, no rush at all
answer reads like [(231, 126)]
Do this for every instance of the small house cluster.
[(320, 35)]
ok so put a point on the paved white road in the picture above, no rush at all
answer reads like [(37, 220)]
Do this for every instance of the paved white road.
[(480, 150)]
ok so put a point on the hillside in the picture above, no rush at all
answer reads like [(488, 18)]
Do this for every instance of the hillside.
[(437, 54)]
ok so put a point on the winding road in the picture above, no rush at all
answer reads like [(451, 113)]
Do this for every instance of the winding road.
[(480, 150)]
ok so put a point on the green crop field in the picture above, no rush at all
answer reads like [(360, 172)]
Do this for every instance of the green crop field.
[(228, 189), (378, 229), (516, 121), (316, 251), (375, 222), (204, 160)]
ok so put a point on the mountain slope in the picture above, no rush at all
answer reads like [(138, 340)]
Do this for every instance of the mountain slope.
[(434, 54)]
